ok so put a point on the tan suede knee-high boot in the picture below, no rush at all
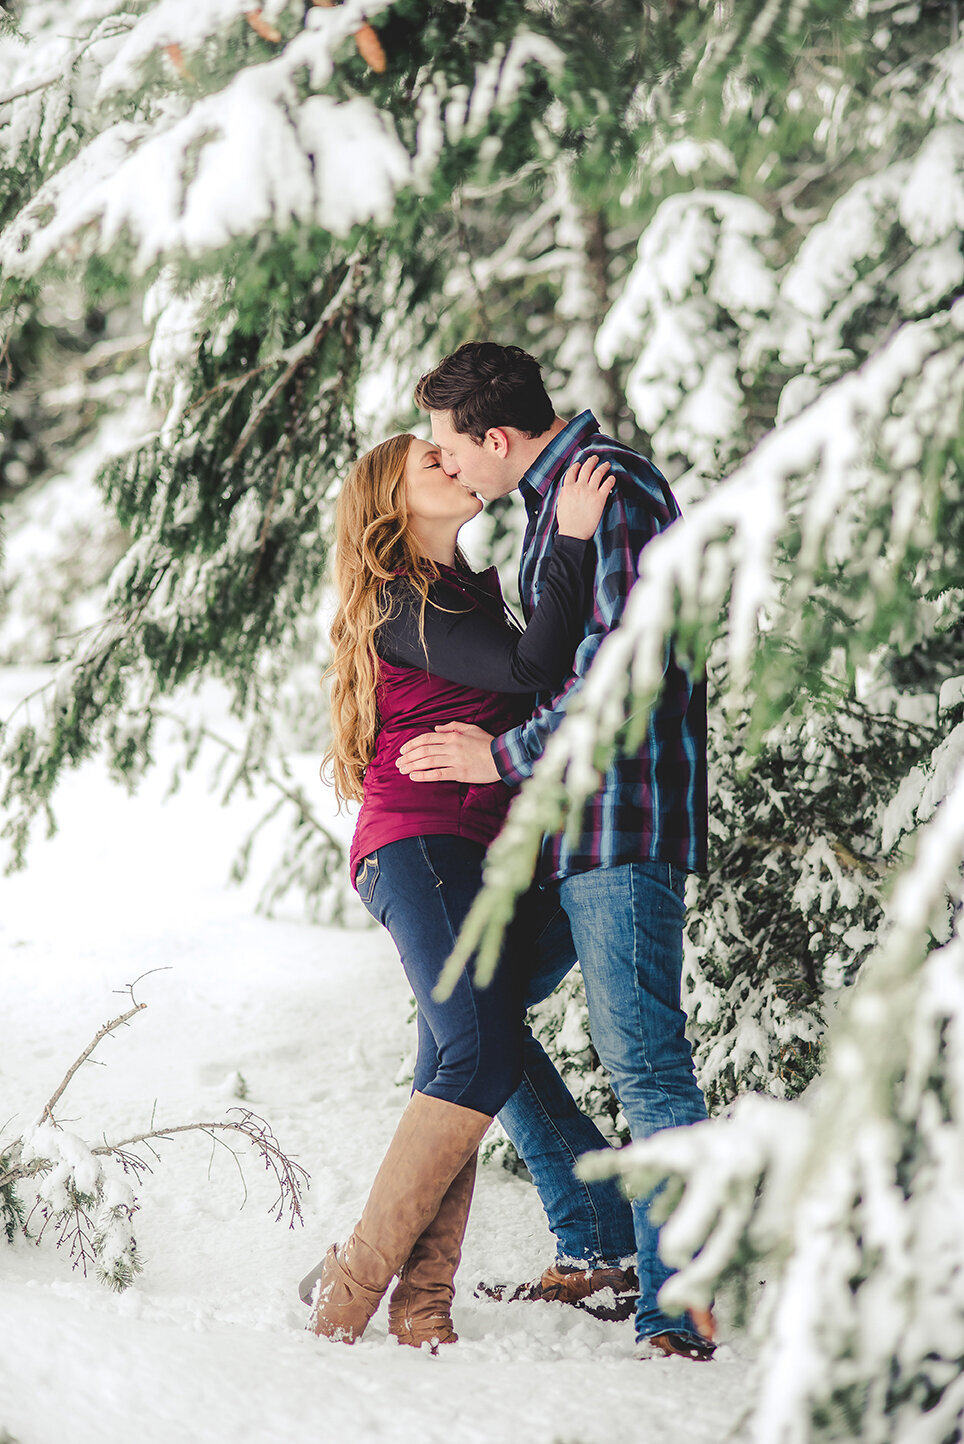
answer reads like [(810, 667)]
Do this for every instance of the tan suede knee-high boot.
[(432, 1143), (419, 1310)]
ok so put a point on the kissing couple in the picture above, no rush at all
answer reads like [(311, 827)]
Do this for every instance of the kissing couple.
[(442, 704)]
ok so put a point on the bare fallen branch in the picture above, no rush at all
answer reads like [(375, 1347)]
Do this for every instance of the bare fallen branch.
[(291, 1178), (81, 1216), (131, 1163), (102, 1033)]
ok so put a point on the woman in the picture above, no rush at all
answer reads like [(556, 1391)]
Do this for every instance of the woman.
[(419, 639)]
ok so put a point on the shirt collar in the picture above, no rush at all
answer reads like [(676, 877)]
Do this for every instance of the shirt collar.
[(551, 459)]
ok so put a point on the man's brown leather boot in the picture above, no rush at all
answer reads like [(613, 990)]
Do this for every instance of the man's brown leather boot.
[(606, 1293), (684, 1346)]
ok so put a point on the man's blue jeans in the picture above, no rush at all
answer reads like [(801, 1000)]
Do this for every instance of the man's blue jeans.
[(627, 930)]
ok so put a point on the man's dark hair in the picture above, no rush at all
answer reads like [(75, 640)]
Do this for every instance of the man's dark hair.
[(486, 385)]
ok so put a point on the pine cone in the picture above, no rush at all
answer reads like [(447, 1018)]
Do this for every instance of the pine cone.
[(370, 48), (369, 45), (261, 26), (174, 55)]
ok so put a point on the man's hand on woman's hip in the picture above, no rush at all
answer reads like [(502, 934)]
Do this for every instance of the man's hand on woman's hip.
[(454, 752)]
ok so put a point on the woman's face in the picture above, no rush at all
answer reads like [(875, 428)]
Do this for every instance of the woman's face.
[(433, 497)]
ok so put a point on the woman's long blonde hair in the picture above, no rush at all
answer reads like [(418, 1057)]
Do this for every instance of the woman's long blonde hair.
[(373, 545)]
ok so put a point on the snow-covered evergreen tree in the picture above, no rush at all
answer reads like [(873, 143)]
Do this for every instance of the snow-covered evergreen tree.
[(849, 1201), (736, 231), (278, 186), (73, 400), (822, 580)]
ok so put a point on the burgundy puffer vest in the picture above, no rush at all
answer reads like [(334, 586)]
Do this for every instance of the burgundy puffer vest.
[(411, 701)]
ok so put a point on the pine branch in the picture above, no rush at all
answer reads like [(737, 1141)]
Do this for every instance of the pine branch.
[(284, 451), (233, 384), (284, 358), (126, 615), (73, 1224), (296, 354), (292, 427), (56, 75), (499, 187), (19, 1170), (470, 266)]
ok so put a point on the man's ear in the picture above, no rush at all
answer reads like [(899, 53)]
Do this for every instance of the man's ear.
[(497, 441)]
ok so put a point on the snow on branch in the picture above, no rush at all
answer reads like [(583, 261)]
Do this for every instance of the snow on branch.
[(249, 156), (499, 79), (700, 284), (188, 24), (333, 164), (198, 171), (31, 68)]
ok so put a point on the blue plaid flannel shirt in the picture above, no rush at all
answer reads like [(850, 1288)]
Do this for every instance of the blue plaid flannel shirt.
[(652, 805)]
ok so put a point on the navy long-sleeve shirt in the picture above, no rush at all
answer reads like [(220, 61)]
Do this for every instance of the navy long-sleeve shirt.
[(467, 641)]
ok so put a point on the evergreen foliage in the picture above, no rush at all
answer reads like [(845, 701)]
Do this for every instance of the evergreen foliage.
[(736, 231), (849, 1201), (12, 1211), (791, 908)]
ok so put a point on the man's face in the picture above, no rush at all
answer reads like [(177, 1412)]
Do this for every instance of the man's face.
[(482, 467)]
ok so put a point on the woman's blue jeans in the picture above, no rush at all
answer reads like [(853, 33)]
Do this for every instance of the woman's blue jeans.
[(627, 930), (469, 1046)]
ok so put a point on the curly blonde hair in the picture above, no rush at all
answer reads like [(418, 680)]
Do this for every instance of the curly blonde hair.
[(373, 545)]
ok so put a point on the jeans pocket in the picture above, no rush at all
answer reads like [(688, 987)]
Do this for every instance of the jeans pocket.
[(677, 881), (366, 878), (426, 857)]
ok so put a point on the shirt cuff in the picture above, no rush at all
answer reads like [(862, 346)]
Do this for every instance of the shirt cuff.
[(574, 546), (511, 758)]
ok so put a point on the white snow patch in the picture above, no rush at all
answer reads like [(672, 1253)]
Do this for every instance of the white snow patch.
[(316, 1021)]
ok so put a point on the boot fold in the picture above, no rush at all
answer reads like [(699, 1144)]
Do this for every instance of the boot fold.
[(342, 1305), (419, 1311)]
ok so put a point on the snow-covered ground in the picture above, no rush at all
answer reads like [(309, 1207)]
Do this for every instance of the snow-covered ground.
[(209, 1344)]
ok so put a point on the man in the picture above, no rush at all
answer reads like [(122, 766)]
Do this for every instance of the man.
[(621, 879)]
